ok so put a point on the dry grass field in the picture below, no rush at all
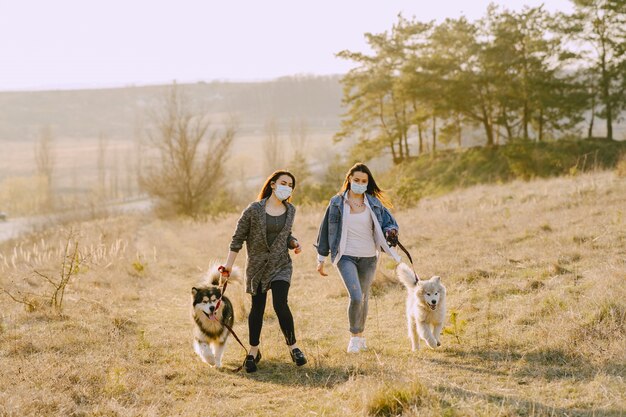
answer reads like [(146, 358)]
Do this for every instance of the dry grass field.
[(535, 272)]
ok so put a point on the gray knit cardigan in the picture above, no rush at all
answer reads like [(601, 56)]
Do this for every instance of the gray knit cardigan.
[(264, 263)]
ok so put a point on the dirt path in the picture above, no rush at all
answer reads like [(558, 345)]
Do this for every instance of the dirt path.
[(13, 228)]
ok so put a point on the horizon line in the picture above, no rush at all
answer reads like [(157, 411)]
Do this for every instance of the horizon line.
[(119, 86)]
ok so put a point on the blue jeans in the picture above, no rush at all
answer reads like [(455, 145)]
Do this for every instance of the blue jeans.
[(357, 274)]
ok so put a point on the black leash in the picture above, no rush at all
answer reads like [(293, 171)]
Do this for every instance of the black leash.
[(392, 240), (401, 246)]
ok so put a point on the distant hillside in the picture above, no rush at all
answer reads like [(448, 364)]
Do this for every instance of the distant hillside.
[(118, 112)]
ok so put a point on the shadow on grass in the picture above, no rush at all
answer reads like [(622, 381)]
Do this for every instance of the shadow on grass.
[(309, 375), (547, 364), (526, 407), (478, 369)]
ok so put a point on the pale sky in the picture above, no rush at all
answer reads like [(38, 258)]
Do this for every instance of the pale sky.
[(58, 44)]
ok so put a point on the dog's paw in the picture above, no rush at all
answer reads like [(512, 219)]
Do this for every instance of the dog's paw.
[(432, 343)]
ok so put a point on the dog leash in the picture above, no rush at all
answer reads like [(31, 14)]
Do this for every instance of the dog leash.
[(392, 240), (230, 329)]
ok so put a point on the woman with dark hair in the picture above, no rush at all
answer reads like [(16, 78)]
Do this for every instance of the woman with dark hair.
[(265, 227), (356, 226)]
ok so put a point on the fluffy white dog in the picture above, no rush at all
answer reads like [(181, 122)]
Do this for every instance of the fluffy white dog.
[(425, 307)]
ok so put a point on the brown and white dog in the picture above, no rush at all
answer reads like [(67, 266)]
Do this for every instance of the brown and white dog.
[(209, 332), (425, 307)]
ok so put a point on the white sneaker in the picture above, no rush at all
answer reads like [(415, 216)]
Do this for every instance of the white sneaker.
[(354, 345), (362, 345)]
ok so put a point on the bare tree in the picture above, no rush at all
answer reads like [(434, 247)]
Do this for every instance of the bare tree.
[(272, 149), (298, 164), (298, 135), (191, 158), (44, 158), (115, 177), (101, 164), (129, 177), (138, 148)]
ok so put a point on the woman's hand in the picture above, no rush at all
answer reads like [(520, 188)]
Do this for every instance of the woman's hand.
[(392, 237), (295, 245), (320, 269), (226, 270)]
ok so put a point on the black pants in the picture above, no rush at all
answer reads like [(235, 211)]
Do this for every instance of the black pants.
[(280, 290)]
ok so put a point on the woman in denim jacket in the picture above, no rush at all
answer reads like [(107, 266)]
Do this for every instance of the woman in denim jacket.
[(355, 227)]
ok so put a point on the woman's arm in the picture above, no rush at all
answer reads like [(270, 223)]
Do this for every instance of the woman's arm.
[(241, 235), (230, 261), (389, 223), (292, 242), (241, 231), (322, 245)]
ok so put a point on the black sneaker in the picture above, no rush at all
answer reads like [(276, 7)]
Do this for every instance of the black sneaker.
[(298, 357), (250, 362)]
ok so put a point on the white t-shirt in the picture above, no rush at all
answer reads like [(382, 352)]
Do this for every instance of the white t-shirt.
[(360, 237)]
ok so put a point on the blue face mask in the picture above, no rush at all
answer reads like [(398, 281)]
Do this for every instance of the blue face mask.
[(358, 188)]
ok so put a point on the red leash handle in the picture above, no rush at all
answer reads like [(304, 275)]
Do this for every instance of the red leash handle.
[(222, 270)]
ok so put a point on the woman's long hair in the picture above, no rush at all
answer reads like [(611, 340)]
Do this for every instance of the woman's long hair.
[(372, 187), (266, 190)]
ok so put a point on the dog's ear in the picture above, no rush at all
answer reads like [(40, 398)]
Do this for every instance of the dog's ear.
[(436, 279), (194, 291)]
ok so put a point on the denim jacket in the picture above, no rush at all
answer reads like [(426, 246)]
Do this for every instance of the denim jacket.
[(329, 235)]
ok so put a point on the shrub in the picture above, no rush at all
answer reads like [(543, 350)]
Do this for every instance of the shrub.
[(457, 326), (395, 400), (71, 261)]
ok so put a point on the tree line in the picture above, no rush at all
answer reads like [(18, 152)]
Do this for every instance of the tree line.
[(526, 74)]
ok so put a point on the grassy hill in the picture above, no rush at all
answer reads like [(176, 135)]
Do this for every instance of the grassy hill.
[(429, 175), (535, 275)]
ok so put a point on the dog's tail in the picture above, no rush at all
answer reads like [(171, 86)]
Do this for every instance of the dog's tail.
[(212, 276), (406, 275)]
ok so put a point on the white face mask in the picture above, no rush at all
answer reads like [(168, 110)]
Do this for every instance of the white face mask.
[(358, 188), (282, 192)]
